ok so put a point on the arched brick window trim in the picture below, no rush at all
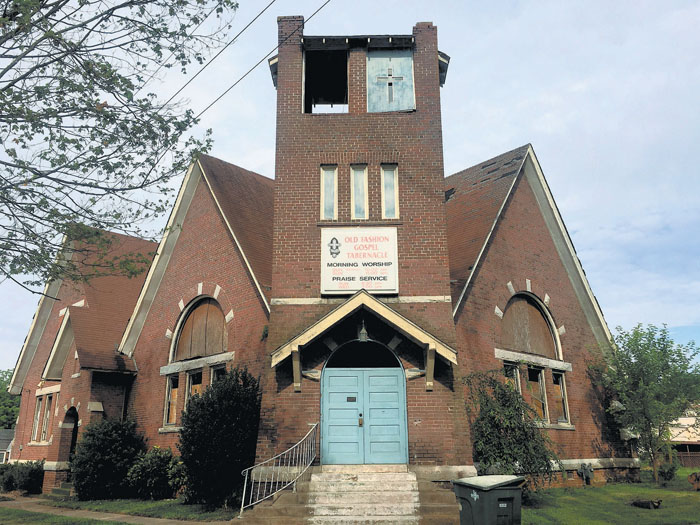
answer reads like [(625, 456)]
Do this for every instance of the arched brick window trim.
[(201, 330)]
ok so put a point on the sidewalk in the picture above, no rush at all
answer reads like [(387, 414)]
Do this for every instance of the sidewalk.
[(35, 505)]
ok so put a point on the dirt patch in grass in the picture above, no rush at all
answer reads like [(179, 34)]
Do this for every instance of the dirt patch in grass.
[(169, 508), (21, 517)]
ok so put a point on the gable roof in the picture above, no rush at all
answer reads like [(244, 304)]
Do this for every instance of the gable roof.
[(476, 198), (6, 437), (246, 200), (107, 303)]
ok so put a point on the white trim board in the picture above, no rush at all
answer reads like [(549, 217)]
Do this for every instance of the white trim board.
[(53, 370), (36, 329), (359, 300), (160, 262), (530, 169), (235, 239)]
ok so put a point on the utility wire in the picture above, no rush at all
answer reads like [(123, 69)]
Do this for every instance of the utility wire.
[(260, 61), (219, 53), (191, 79), (243, 76)]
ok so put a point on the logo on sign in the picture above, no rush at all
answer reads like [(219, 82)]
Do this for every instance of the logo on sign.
[(334, 246)]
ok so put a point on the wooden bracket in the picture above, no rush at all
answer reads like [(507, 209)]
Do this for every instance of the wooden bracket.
[(429, 367), (296, 368)]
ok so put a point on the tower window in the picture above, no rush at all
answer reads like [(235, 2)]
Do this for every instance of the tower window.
[(329, 193), (390, 192), (326, 81), (359, 192)]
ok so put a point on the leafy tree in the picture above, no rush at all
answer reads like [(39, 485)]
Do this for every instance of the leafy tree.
[(505, 431), (9, 404), (655, 382), (218, 438), (103, 457), (81, 134)]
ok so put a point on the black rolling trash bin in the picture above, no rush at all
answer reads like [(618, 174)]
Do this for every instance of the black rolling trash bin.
[(489, 500)]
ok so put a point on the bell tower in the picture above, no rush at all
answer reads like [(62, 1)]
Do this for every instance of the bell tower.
[(359, 197)]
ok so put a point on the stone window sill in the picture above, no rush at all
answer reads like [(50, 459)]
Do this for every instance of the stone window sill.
[(38, 444), (360, 222), (556, 426), (169, 429)]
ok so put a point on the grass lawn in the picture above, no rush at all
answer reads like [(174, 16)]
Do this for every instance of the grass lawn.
[(17, 516), (168, 508), (611, 503)]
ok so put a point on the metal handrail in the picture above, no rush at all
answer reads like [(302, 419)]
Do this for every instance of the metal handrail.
[(273, 475)]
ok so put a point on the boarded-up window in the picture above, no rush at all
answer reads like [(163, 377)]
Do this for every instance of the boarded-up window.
[(171, 410), (47, 417), (535, 387), (525, 329), (558, 411), (37, 418), (194, 384), (512, 374), (202, 332)]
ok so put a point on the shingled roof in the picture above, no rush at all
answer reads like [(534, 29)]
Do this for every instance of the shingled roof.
[(109, 301), (473, 199), (246, 200)]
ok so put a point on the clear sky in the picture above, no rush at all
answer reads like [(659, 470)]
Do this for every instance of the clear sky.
[(606, 92)]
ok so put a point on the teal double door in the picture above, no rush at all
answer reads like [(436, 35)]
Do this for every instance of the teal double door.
[(363, 416)]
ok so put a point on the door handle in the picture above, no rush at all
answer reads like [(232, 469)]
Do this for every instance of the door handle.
[(360, 421)]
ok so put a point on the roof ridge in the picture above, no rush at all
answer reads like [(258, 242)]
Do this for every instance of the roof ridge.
[(484, 163)]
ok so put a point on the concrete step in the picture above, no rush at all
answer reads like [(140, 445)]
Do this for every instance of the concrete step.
[(348, 469), (365, 509), (380, 477), (360, 486), (441, 519), (375, 520), (343, 498)]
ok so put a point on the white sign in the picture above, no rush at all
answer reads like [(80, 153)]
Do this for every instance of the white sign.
[(353, 259)]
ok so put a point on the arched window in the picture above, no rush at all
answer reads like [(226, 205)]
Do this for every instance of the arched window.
[(202, 332), (527, 336), (525, 328), (198, 356)]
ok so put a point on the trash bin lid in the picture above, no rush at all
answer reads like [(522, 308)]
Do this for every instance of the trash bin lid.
[(489, 482)]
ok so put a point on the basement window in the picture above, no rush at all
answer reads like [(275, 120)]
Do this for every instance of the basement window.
[(326, 81)]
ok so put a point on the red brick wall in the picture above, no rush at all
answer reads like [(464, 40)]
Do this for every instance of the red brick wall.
[(411, 139), (68, 294), (522, 248), (206, 253)]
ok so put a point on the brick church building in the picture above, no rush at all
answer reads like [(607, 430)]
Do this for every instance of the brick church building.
[(361, 285)]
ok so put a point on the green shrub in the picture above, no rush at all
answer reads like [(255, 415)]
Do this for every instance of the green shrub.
[(177, 475), (505, 431), (218, 437), (8, 477), (667, 470), (148, 477), (30, 476), (103, 457)]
